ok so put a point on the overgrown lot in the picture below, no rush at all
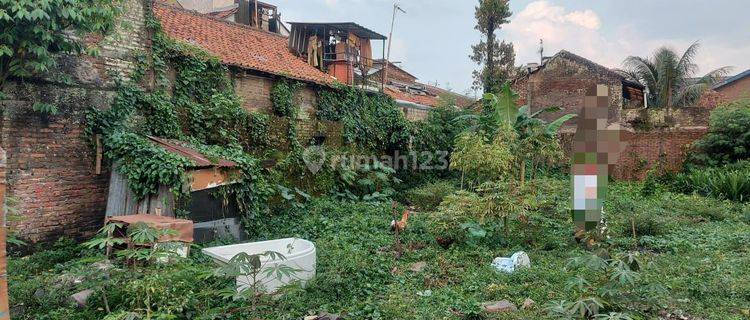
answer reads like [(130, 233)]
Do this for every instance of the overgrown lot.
[(694, 254)]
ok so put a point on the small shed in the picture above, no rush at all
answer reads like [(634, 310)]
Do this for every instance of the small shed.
[(203, 174)]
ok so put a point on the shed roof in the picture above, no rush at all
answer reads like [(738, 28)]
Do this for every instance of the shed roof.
[(196, 157), (238, 45), (731, 80), (352, 27)]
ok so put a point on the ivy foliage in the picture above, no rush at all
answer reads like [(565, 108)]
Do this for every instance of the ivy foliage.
[(283, 96), (198, 108), (371, 121), (33, 31)]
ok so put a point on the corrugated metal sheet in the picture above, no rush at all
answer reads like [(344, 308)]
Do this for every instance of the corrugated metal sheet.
[(198, 159)]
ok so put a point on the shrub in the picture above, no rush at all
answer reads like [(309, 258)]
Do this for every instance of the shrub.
[(429, 196), (730, 182), (729, 137)]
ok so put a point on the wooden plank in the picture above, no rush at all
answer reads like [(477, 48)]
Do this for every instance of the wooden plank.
[(4, 305), (99, 154)]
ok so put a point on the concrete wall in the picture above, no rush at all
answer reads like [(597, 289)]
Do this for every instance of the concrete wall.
[(50, 162)]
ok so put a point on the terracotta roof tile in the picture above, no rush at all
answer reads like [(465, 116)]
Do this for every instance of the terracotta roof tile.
[(238, 45), (425, 100)]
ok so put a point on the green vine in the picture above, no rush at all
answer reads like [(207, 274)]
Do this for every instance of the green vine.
[(199, 108), (282, 98), (371, 121)]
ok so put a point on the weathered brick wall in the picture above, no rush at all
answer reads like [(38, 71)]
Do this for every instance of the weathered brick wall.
[(647, 119), (415, 114), (740, 89), (644, 150), (50, 162), (255, 91), (563, 83)]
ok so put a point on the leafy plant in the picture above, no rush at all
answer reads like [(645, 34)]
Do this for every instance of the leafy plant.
[(257, 272), (728, 139), (729, 182), (372, 181), (602, 294), (429, 196), (371, 121), (33, 31)]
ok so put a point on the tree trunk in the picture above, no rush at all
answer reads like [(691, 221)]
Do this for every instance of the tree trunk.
[(523, 172), (4, 306), (490, 67)]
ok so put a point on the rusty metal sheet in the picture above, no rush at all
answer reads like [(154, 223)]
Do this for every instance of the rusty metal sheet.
[(208, 178), (198, 159)]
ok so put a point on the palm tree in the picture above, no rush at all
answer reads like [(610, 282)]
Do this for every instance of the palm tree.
[(670, 78)]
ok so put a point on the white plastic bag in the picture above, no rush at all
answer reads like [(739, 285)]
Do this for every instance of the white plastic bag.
[(509, 265)]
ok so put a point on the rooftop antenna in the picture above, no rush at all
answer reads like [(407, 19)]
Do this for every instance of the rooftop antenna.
[(396, 7), (541, 51)]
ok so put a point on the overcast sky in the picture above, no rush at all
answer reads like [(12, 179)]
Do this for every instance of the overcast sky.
[(433, 39)]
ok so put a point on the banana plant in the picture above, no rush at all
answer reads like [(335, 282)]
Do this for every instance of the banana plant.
[(500, 110)]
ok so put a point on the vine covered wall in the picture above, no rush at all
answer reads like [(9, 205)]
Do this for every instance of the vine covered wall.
[(51, 167)]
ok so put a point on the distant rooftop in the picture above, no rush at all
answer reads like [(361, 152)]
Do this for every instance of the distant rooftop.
[(352, 27)]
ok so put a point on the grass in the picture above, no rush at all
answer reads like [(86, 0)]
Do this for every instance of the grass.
[(698, 249)]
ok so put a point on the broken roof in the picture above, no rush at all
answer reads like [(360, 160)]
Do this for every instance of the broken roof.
[(352, 27), (198, 159), (238, 45)]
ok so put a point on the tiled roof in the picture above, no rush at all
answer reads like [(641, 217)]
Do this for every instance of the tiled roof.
[(462, 101), (424, 100), (238, 45)]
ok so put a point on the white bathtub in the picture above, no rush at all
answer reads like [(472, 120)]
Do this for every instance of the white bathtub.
[(299, 253)]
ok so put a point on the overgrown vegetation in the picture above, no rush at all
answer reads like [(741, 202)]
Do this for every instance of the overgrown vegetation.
[(728, 139), (692, 264), (34, 31)]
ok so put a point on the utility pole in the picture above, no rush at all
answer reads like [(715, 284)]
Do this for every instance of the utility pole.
[(390, 38)]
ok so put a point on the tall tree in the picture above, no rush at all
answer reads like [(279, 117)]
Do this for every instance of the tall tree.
[(496, 58), (671, 78)]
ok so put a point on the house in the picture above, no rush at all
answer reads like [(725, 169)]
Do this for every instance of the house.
[(651, 136), (737, 87), (254, 13), (562, 80), (256, 58), (415, 98), (339, 48)]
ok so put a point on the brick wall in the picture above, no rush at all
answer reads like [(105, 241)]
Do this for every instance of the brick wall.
[(563, 83), (50, 163), (255, 91), (738, 90), (646, 149)]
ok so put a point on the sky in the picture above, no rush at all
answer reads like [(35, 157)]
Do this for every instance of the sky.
[(433, 39)]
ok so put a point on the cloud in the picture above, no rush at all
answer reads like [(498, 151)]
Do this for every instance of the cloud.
[(575, 30)]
